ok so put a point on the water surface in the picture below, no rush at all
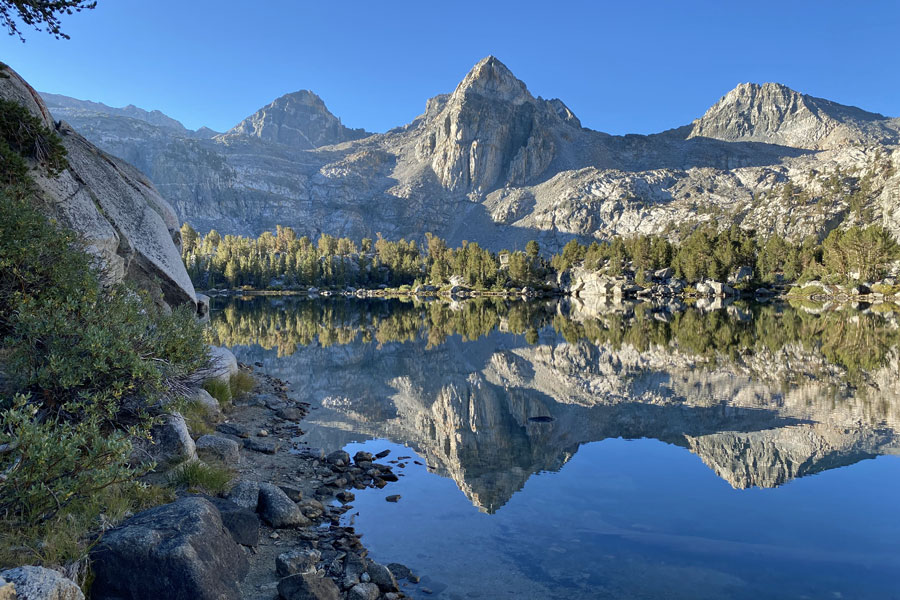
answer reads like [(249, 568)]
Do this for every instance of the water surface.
[(572, 451)]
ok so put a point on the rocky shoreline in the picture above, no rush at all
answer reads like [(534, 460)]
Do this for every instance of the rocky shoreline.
[(276, 533)]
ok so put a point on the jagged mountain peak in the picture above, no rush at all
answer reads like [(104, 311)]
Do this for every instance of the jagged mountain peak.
[(299, 119), (491, 78), (774, 113), (491, 131)]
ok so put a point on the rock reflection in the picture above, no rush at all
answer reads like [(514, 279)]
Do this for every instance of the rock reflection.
[(491, 392)]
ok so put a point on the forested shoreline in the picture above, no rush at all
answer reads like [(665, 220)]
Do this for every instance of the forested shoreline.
[(284, 260)]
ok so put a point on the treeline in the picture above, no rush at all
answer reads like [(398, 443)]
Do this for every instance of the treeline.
[(282, 259)]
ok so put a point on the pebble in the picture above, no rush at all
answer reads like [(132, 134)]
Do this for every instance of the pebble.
[(393, 498), (263, 433)]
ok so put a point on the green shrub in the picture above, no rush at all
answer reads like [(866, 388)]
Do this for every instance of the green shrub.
[(220, 390), (198, 476), (241, 383)]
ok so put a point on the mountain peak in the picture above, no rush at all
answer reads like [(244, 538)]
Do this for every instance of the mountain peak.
[(298, 119), (491, 78), (776, 114)]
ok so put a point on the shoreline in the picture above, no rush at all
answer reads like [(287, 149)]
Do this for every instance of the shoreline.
[(267, 424)]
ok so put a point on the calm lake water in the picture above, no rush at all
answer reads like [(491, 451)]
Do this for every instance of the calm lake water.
[(559, 450)]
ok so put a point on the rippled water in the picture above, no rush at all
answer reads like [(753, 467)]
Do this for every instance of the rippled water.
[(572, 451)]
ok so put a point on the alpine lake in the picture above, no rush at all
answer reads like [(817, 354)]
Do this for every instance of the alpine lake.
[(561, 450)]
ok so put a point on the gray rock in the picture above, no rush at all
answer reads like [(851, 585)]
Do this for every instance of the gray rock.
[(381, 576), (245, 493), (339, 458), (364, 591), (178, 550), (170, 444), (277, 509), (218, 449), (223, 364), (209, 404), (260, 446), (297, 561), (235, 429), (308, 586), (202, 305), (311, 508), (241, 522), (38, 583)]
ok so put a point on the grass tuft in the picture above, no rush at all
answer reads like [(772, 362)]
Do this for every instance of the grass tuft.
[(241, 383), (198, 476)]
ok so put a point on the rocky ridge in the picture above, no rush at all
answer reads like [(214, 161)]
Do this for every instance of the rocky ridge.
[(490, 162)]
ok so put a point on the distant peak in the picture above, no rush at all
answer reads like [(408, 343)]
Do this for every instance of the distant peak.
[(490, 77), (303, 97)]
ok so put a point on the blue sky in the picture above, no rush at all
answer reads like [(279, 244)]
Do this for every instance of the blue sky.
[(622, 67)]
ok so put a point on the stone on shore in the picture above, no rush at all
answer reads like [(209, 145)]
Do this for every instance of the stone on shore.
[(381, 576), (178, 550), (308, 586), (241, 522), (277, 509), (296, 562), (218, 449), (209, 404), (37, 583), (245, 493), (364, 591)]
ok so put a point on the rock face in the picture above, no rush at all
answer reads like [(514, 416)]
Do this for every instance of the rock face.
[(38, 583), (115, 208), (494, 164), (775, 114), (178, 550), (298, 120), (491, 131)]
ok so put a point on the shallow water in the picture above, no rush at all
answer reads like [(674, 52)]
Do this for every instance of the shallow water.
[(605, 452)]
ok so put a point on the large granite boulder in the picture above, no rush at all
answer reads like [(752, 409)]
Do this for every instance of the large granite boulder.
[(178, 550), (37, 583), (223, 363), (124, 221)]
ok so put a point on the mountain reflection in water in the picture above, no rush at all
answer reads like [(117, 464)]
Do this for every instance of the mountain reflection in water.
[(490, 392)]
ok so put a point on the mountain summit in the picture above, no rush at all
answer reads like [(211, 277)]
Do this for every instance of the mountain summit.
[(300, 120), (491, 131), (774, 113)]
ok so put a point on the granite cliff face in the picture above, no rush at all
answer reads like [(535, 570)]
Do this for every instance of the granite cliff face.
[(124, 221), (492, 163)]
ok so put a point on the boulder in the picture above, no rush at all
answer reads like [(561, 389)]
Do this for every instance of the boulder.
[(37, 583), (223, 363), (210, 405), (339, 458), (202, 306), (178, 550), (364, 591), (297, 561), (245, 493), (381, 576), (277, 509), (308, 586), (741, 275), (218, 449), (170, 444), (242, 523)]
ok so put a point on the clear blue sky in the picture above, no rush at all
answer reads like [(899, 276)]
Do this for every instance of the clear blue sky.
[(622, 67)]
